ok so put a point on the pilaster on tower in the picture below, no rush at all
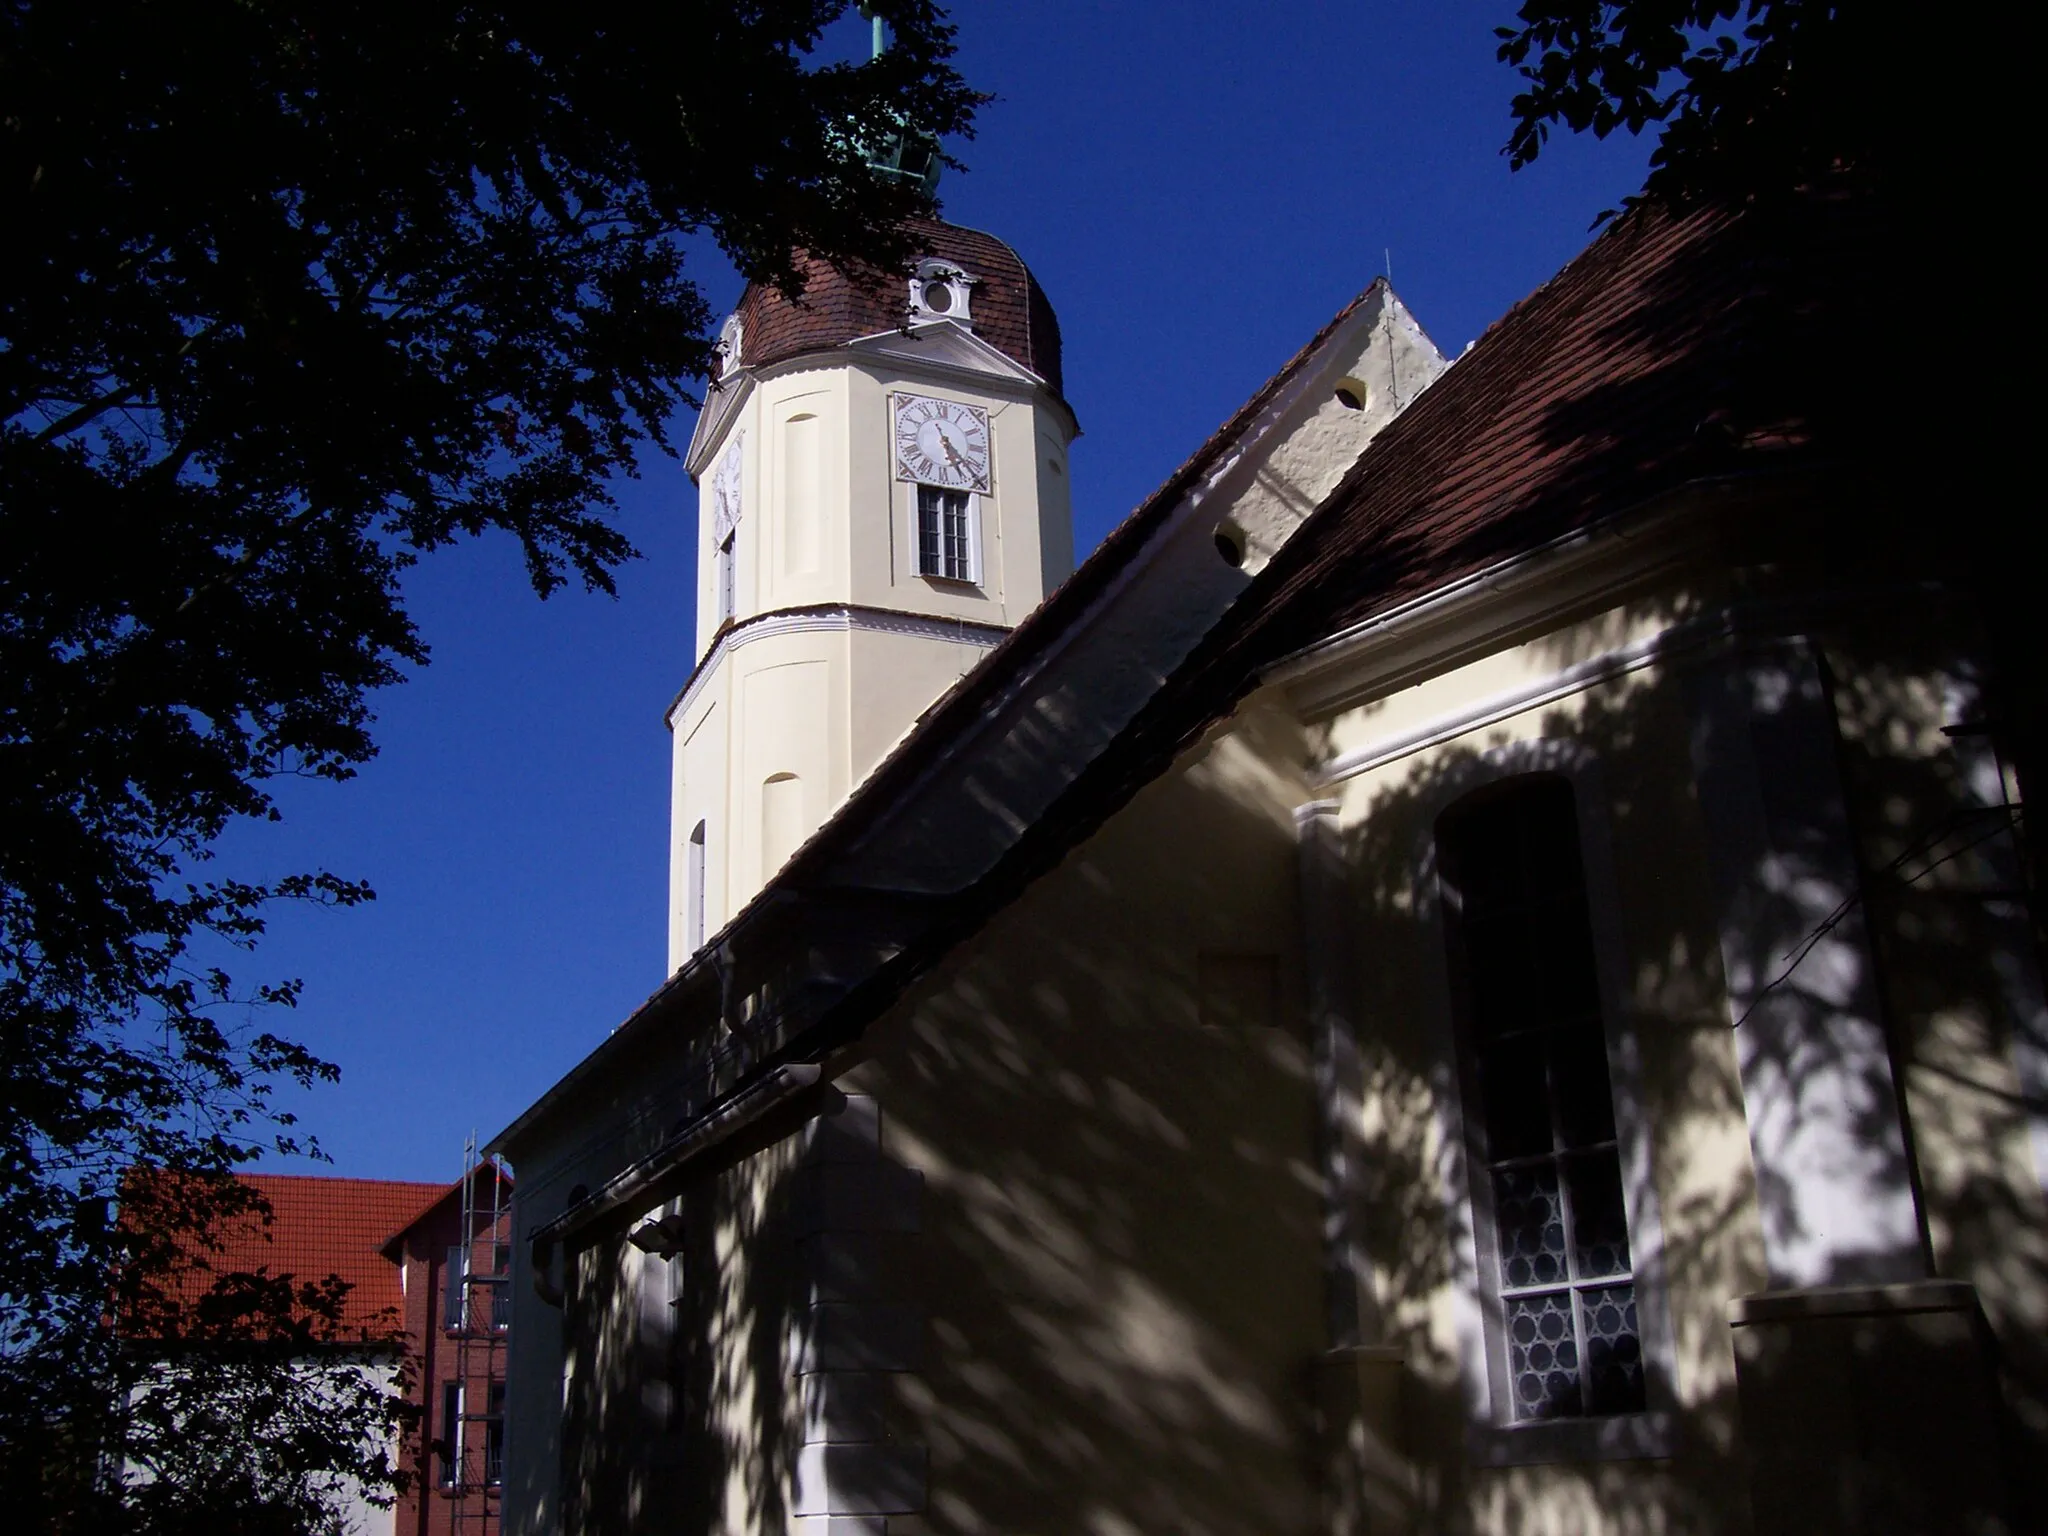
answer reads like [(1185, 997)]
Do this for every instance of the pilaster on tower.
[(881, 471)]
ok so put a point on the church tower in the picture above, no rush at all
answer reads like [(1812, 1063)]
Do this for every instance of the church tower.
[(882, 494)]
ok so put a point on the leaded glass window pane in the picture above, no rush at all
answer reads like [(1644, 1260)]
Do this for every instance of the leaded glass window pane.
[(1543, 1356), (1599, 1223), (1614, 1349), (1529, 1218), (1529, 1000)]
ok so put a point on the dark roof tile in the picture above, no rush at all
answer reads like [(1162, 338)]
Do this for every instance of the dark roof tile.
[(320, 1227), (1009, 310)]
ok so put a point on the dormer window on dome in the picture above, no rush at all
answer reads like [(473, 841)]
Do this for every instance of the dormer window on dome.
[(940, 291), (727, 350)]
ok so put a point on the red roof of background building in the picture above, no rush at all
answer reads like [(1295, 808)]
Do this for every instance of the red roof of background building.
[(443, 1194), (321, 1226)]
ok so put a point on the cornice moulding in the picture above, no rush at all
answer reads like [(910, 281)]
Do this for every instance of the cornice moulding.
[(1479, 613), (954, 354), (835, 618)]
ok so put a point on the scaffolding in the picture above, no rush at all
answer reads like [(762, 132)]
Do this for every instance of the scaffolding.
[(477, 1311)]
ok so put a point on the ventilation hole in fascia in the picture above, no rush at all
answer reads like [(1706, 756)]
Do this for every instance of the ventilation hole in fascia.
[(1230, 544), (1351, 394)]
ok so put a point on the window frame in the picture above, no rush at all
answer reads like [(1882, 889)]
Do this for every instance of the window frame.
[(972, 530), (455, 1289), (500, 1287), (935, 272), (495, 1394), (1494, 1437), (452, 1419)]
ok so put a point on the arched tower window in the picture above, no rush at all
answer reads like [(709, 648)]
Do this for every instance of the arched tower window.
[(782, 824), (694, 888), (728, 586), (1556, 1264)]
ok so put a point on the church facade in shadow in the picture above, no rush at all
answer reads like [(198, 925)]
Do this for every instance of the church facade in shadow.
[(1472, 969)]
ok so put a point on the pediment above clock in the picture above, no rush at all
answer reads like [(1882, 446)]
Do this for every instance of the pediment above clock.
[(945, 345)]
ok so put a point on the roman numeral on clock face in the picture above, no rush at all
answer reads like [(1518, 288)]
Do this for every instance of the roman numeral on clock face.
[(941, 442)]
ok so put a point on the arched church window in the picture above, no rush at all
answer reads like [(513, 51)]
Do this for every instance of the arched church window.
[(1555, 1255)]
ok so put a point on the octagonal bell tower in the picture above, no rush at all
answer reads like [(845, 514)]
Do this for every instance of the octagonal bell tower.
[(881, 472)]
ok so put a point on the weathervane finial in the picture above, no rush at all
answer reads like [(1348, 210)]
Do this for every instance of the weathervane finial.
[(899, 155)]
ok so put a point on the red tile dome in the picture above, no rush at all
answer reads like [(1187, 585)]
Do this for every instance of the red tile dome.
[(1008, 309)]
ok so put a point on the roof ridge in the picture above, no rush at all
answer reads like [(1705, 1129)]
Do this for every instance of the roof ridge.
[(335, 1178)]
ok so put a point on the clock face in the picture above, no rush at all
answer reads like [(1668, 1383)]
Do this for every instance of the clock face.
[(941, 442), (725, 493)]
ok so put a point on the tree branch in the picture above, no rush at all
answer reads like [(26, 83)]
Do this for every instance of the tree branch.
[(92, 410)]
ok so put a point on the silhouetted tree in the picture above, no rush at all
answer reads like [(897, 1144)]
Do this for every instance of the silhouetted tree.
[(292, 292), (1774, 103), (1750, 96), (242, 1401)]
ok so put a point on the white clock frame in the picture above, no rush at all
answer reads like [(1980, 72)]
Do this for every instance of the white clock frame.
[(925, 473)]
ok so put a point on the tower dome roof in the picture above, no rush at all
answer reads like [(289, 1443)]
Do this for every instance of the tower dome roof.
[(1010, 311)]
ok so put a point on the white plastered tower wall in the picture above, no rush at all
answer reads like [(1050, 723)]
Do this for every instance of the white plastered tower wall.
[(823, 643)]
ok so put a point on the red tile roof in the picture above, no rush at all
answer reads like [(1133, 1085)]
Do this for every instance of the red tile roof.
[(1713, 349), (1009, 310), (322, 1227), (326, 1226), (448, 1194), (1702, 350)]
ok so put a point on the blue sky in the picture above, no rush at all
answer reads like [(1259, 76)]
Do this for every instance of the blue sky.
[(1199, 186)]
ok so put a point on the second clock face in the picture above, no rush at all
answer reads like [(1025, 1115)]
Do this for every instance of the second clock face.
[(725, 492), (941, 442)]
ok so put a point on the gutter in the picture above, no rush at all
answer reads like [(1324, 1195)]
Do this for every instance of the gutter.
[(691, 1140)]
